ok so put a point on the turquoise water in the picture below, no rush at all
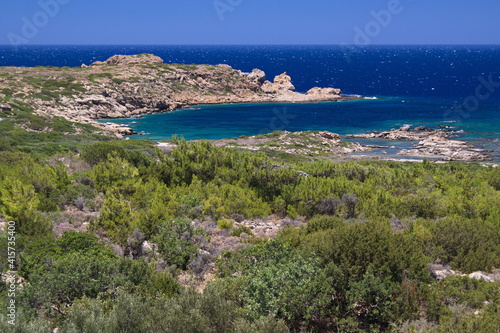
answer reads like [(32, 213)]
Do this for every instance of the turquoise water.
[(348, 117), (417, 85)]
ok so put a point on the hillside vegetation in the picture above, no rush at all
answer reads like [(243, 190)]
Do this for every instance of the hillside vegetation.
[(118, 236)]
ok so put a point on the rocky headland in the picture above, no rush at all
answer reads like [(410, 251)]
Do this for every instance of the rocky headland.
[(125, 86), (431, 142), (315, 144)]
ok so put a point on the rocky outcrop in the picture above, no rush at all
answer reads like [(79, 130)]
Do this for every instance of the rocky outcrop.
[(257, 76), (130, 60), (118, 129), (431, 143), (316, 91), (440, 272), (449, 150), (403, 133), (130, 85), (298, 143), (282, 83)]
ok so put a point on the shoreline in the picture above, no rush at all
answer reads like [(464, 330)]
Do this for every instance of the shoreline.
[(135, 85), (434, 145)]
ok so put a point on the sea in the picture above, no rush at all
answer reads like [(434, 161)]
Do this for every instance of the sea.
[(447, 85)]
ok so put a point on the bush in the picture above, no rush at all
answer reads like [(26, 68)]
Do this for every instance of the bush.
[(224, 224), (236, 232), (19, 202), (467, 245), (189, 312), (176, 242)]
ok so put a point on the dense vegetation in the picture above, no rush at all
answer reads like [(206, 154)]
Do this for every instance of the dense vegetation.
[(359, 263)]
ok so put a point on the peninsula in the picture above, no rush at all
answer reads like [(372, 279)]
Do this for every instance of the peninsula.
[(134, 85)]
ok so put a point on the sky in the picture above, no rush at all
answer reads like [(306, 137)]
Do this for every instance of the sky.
[(251, 22)]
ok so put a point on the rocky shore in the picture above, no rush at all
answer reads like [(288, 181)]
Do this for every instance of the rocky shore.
[(431, 142), (307, 143), (129, 86)]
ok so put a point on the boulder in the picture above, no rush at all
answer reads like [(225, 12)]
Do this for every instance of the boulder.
[(256, 76), (316, 91), (147, 247), (5, 107), (329, 135), (282, 83), (443, 274), (481, 276)]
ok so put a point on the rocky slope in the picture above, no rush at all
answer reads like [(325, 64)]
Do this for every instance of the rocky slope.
[(125, 86), (308, 143)]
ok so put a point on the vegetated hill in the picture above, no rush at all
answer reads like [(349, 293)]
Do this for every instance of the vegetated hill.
[(141, 84), (110, 238)]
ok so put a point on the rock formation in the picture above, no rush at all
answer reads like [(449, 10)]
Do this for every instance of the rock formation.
[(257, 76), (130, 60), (431, 143), (440, 272), (299, 143), (282, 83), (131, 85)]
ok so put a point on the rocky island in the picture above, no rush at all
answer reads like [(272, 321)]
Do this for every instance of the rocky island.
[(125, 86), (430, 142)]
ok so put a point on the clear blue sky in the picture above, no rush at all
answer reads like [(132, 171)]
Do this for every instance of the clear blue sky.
[(249, 22)]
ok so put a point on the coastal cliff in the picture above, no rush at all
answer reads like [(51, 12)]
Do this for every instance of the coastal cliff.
[(125, 86)]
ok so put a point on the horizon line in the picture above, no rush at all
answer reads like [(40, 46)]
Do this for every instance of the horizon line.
[(340, 45)]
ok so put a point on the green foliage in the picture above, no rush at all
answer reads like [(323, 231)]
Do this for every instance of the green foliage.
[(18, 202), (356, 247), (115, 171), (359, 263), (370, 299), (293, 289), (23, 324), (227, 200), (82, 242), (236, 232), (71, 277), (224, 224), (117, 218), (236, 262), (189, 312), (177, 242), (17, 199), (163, 283), (467, 245), (133, 152), (37, 252)]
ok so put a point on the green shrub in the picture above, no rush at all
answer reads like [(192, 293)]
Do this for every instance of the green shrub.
[(236, 232), (467, 245), (224, 224), (177, 242)]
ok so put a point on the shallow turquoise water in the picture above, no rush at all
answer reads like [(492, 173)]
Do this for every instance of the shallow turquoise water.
[(349, 117), (431, 79)]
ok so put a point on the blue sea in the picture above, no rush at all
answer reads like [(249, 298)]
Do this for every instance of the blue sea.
[(456, 86)]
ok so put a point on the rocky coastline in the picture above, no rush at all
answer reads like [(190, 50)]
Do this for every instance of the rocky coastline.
[(134, 85), (431, 142), (127, 86)]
